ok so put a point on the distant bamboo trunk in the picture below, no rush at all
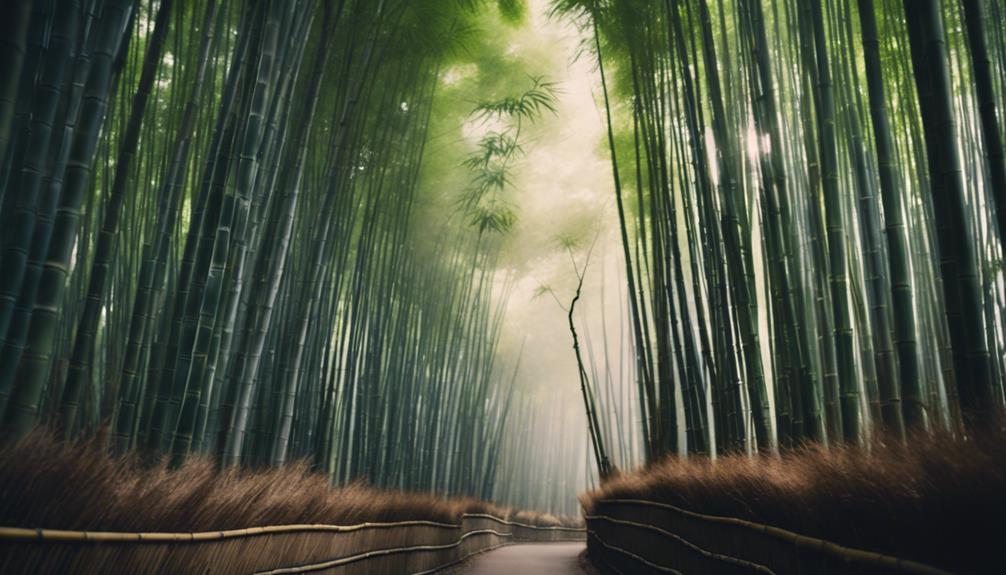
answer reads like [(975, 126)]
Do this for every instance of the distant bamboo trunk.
[(838, 280), (100, 265), (911, 413), (152, 269)]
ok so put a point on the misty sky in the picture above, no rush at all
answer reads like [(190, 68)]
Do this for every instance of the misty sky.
[(564, 189)]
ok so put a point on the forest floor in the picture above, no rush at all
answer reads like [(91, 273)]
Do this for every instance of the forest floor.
[(936, 500)]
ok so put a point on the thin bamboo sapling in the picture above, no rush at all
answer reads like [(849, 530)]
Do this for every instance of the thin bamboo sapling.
[(605, 469)]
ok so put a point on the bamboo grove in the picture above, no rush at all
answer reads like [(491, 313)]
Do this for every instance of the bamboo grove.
[(811, 197), (210, 244)]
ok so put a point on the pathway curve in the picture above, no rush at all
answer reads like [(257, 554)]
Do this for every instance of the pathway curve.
[(528, 559)]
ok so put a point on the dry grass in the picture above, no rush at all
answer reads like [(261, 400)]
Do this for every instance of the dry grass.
[(543, 519), (942, 501), (79, 486)]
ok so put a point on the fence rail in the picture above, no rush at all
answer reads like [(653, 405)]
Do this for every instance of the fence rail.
[(414, 546), (637, 536)]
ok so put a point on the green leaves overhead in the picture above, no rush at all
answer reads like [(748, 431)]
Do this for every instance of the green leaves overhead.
[(497, 216), (484, 202), (529, 105), (513, 11), (493, 146)]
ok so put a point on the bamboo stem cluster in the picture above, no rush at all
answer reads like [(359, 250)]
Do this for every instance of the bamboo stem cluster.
[(211, 244), (809, 200)]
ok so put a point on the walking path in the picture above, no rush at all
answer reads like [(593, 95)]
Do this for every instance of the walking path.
[(528, 559)]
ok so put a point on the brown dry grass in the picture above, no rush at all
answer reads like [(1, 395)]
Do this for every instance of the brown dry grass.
[(79, 486), (940, 501), (543, 519)]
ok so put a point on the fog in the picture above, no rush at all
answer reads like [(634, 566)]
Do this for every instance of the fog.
[(564, 192)]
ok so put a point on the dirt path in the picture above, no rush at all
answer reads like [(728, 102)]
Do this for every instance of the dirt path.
[(528, 559)]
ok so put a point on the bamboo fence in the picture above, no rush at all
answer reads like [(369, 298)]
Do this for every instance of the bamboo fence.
[(636, 536), (368, 548)]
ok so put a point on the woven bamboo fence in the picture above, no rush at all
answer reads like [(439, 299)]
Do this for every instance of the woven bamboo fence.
[(634, 536), (368, 548)]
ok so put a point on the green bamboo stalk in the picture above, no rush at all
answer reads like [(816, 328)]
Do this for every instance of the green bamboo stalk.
[(22, 407), (106, 245)]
